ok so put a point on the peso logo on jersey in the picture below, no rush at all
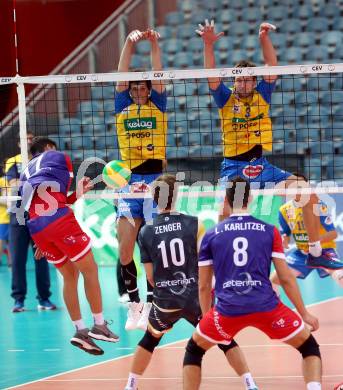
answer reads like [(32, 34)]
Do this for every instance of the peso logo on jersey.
[(339, 387), (252, 171), (140, 124)]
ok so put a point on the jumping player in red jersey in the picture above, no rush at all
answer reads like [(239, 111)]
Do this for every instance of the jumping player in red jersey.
[(239, 252), (44, 185)]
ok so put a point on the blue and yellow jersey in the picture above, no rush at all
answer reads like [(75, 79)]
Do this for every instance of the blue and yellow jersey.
[(4, 216), (292, 223), (245, 121), (141, 130), (13, 167)]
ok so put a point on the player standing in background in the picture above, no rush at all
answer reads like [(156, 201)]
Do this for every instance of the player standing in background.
[(44, 185), (19, 242), (169, 252), (4, 222), (141, 121), (239, 252), (292, 224), (247, 131)]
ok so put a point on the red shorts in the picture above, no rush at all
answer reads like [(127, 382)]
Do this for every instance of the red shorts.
[(281, 323), (63, 240)]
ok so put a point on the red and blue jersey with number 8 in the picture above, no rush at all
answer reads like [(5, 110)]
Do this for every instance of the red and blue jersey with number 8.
[(240, 250)]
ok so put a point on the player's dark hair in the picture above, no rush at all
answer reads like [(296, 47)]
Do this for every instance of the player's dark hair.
[(40, 143), (29, 132), (147, 82), (238, 192), (300, 176), (164, 191), (245, 64)]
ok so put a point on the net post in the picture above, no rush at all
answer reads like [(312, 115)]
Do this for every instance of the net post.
[(151, 13), (22, 123)]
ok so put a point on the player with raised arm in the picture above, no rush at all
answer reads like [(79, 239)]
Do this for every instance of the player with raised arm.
[(247, 131), (44, 185), (238, 252), (292, 224), (169, 252), (141, 122)]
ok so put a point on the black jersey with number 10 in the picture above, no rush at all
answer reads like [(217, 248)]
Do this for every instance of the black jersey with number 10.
[(170, 244)]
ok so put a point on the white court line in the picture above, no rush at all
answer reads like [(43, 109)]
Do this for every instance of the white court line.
[(83, 368), (179, 377), (268, 345), (130, 354), (16, 350)]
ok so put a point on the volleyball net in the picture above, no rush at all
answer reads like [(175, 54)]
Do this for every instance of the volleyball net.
[(305, 134)]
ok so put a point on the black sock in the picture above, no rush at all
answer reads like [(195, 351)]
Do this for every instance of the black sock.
[(149, 291), (120, 280), (129, 274)]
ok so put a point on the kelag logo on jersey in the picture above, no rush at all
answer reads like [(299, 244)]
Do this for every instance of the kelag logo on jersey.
[(301, 237), (252, 171), (140, 123)]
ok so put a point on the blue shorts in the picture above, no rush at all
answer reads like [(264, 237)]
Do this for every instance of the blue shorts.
[(297, 260), (259, 171), (4, 231), (144, 208)]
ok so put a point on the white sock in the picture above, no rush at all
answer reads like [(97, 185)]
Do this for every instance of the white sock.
[(98, 318), (132, 381), (249, 382), (79, 324), (314, 386), (315, 248)]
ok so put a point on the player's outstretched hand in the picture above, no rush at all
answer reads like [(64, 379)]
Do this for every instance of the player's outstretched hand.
[(265, 28), (84, 185), (136, 35), (152, 35), (311, 321), (207, 32)]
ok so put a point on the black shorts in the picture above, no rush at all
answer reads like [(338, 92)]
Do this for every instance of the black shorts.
[(162, 321)]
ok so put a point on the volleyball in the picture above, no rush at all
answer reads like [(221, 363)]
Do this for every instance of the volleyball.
[(116, 174)]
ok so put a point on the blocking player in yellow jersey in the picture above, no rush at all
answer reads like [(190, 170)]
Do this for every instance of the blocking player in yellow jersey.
[(292, 225), (247, 131), (4, 221), (141, 122)]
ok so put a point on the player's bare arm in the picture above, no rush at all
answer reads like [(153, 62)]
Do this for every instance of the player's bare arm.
[(205, 287), (149, 273), (289, 284), (268, 50), (285, 240), (328, 236), (126, 55), (156, 59), (210, 37)]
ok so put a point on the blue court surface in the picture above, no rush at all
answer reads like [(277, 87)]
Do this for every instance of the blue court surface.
[(34, 345)]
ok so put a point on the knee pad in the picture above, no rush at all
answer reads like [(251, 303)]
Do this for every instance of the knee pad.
[(226, 348), (149, 342), (309, 348), (194, 354)]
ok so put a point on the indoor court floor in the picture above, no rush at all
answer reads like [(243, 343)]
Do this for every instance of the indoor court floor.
[(35, 352)]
